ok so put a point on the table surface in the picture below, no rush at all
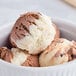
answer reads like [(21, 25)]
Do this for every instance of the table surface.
[(11, 9)]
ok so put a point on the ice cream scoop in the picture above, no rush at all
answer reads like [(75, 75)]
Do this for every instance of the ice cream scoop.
[(57, 53), (33, 32), (18, 57)]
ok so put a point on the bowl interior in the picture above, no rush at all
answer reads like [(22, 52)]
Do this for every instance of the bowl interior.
[(67, 29)]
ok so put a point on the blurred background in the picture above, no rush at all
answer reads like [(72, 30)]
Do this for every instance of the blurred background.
[(11, 9)]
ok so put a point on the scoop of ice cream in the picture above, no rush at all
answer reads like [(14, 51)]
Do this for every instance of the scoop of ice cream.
[(18, 57), (33, 32), (23, 58), (57, 53)]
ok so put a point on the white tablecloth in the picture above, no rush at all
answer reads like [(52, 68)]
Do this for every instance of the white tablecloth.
[(11, 9)]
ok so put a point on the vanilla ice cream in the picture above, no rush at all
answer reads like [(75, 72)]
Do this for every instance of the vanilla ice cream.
[(19, 57), (33, 32)]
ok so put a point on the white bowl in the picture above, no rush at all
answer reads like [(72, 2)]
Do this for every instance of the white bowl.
[(68, 30)]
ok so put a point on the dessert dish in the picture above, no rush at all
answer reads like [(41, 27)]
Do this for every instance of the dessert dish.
[(33, 32), (36, 42), (19, 57), (67, 30), (59, 52)]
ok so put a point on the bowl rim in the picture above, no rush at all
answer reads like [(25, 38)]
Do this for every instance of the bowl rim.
[(60, 66)]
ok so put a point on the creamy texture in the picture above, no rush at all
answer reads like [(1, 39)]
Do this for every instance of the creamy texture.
[(49, 58), (41, 35), (19, 57)]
